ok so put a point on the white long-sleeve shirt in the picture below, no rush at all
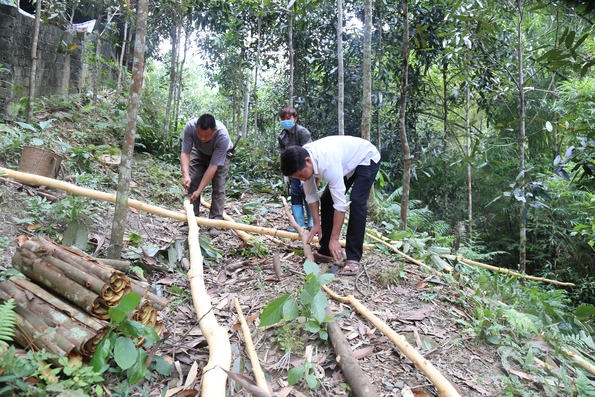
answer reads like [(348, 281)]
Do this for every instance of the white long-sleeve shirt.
[(333, 158)]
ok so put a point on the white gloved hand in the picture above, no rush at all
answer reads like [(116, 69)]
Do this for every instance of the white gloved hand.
[(286, 180)]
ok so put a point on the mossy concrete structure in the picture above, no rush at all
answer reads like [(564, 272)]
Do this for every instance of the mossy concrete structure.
[(60, 66)]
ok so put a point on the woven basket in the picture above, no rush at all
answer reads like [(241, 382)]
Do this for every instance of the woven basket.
[(39, 162)]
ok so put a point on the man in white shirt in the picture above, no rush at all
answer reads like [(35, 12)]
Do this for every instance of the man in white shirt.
[(344, 162)]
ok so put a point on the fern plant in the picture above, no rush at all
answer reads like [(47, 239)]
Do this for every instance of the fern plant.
[(7, 322)]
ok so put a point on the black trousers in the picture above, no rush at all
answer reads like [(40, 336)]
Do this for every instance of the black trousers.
[(360, 183)]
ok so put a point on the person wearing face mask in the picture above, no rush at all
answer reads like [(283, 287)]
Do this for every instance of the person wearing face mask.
[(293, 134), (205, 158)]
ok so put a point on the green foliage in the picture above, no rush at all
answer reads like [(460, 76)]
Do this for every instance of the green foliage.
[(311, 304), (7, 322), (305, 371), (255, 248), (63, 380), (125, 342), (391, 276)]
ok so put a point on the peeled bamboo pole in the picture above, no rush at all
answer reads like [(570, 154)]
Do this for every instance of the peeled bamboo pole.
[(243, 235), (404, 255), (507, 271), (258, 374), (26, 178), (445, 388), (213, 380)]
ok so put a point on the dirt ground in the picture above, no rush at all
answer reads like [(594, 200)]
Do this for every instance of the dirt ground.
[(421, 307)]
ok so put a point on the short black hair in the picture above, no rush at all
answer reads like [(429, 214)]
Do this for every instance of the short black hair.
[(206, 121), (293, 159)]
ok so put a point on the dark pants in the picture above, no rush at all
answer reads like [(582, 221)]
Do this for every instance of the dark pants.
[(362, 180), (199, 162), (295, 187)]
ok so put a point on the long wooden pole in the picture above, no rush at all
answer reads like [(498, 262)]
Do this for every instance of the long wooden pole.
[(445, 388), (507, 271), (26, 178), (213, 379)]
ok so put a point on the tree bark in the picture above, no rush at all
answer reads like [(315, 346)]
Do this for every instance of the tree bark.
[(367, 72), (45, 274), (403, 121), (341, 76), (119, 221), (522, 139), (33, 72)]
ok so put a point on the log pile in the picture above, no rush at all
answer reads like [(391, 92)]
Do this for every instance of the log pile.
[(63, 307)]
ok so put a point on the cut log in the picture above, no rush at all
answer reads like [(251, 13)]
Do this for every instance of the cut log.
[(158, 302), (100, 327), (74, 331), (117, 281), (213, 379), (354, 375), (47, 275), (445, 388)]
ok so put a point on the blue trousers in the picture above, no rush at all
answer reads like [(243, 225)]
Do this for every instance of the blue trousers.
[(361, 183)]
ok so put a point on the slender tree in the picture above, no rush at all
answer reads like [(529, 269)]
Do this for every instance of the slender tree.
[(403, 119), (33, 72), (341, 77), (367, 72), (522, 139), (121, 209)]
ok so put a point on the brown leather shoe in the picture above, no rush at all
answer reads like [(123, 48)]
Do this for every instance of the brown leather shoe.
[(351, 268), (319, 258)]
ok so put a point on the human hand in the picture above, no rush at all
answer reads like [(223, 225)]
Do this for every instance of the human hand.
[(186, 182), (315, 231), (194, 196), (336, 250)]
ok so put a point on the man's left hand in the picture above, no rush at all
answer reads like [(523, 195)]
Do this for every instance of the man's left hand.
[(194, 196), (336, 250)]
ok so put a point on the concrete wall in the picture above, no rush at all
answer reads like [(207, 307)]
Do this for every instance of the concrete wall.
[(60, 67)]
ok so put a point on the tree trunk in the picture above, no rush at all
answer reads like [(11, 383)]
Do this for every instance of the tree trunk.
[(522, 139), (367, 72), (255, 87), (469, 175), (175, 39), (32, 74), (180, 83), (403, 121), (122, 52), (291, 65), (341, 94), (119, 221)]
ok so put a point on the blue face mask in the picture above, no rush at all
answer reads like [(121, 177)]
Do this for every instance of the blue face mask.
[(287, 124)]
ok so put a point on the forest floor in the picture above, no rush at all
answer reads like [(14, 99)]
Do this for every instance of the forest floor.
[(420, 306)]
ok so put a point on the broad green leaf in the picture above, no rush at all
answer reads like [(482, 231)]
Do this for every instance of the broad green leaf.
[(319, 305), (162, 366), (128, 303), (290, 310), (26, 126), (138, 370), (585, 311), (311, 268), (312, 326), (101, 355), (310, 290), (312, 381), (273, 312), (323, 334), (125, 353), (76, 234), (326, 278), (295, 374)]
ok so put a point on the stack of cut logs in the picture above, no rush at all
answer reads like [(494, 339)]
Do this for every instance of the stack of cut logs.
[(65, 307)]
